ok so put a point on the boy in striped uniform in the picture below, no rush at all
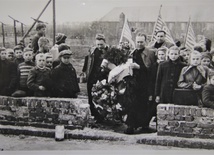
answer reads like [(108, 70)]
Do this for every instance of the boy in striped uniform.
[(23, 71)]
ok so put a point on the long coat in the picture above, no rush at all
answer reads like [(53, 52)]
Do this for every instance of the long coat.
[(8, 77), (137, 96), (167, 78), (65, 81), (208, 96), (93, 74)]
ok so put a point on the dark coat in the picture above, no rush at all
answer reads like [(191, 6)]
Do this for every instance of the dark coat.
[(65, 81), (152, 79), (34, 43), (137, 108), (93, 74), (40, 77), (8, 77), (165, 44), (208, 96), (167, 78)]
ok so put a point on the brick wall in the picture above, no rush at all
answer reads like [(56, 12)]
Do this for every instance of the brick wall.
[(44, 112), (185, 121)]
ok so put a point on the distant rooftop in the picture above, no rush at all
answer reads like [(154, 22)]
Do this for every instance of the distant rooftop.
[(168, 13)]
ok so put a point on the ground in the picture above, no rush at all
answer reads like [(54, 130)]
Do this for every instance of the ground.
[(28, 143)]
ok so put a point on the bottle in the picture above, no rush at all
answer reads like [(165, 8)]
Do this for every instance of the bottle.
[(59, 132)]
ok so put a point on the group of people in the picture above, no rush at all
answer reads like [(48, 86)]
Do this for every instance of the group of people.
[(38, 70), (155, 72), (160, 72)]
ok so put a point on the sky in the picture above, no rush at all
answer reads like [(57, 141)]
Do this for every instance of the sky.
[(76, 10)]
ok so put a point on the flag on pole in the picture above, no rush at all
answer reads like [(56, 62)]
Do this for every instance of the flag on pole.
[(190, 40), (161, 25), (126, 33)]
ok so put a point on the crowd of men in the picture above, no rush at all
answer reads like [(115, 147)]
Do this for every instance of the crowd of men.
[(161, 71)]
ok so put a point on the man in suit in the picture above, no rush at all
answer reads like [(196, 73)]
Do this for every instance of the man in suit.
[(137, 110)]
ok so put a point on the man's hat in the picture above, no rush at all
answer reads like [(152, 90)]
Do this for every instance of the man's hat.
[(65, 53), (60, 37)]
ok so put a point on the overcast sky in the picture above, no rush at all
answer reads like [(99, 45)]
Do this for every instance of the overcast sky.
[(77, 10)]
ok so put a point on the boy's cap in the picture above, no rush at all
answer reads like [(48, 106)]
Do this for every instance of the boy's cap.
[(65, 52), (60, 37), (206, 55), (100, 37)]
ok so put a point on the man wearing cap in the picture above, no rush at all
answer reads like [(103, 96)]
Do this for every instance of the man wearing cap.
[(92, 68), (60, 39), (40, 28), (64, 77)]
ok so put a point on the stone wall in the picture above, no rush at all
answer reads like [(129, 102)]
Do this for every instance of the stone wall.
[(185, 121), (44, 112)]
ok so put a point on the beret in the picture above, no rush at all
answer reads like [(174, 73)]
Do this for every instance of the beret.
[(206, 55), (59, 37), (65, 52)]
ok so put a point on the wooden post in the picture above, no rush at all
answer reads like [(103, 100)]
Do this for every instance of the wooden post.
[(15, 35), (36, 20), (22, 27), (3, 36), (54, 22)]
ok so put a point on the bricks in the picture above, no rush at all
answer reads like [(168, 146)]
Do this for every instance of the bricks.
[(186, 121), (49, 110)]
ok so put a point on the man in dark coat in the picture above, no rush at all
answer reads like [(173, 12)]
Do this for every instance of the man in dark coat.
[(137, 111), (93, 70)]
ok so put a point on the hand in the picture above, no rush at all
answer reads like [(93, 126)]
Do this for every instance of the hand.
[(41, 88), (195, 86), (157, 99), (150, 98), (134, 66)]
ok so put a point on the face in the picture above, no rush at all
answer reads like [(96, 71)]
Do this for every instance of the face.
[(66, 59), (3, 55), (42, 31), (47, 46), (100, 44), (41, 62), (205, 62), (161, 55), (9, 56), (173, 55), (195, 60), (186, 56), (18, 53), (49, 62), (28, 56), (160, 37), (212, 80), (140, 42)]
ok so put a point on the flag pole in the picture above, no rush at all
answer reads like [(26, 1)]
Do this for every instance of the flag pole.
[(121, 37), (187, 31), (159, 14)]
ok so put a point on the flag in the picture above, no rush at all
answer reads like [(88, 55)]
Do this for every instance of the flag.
[(126, 33), (190, 40), (161, 25)]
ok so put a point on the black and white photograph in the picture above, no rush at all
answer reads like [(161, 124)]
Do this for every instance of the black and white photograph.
[(107, 76)]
